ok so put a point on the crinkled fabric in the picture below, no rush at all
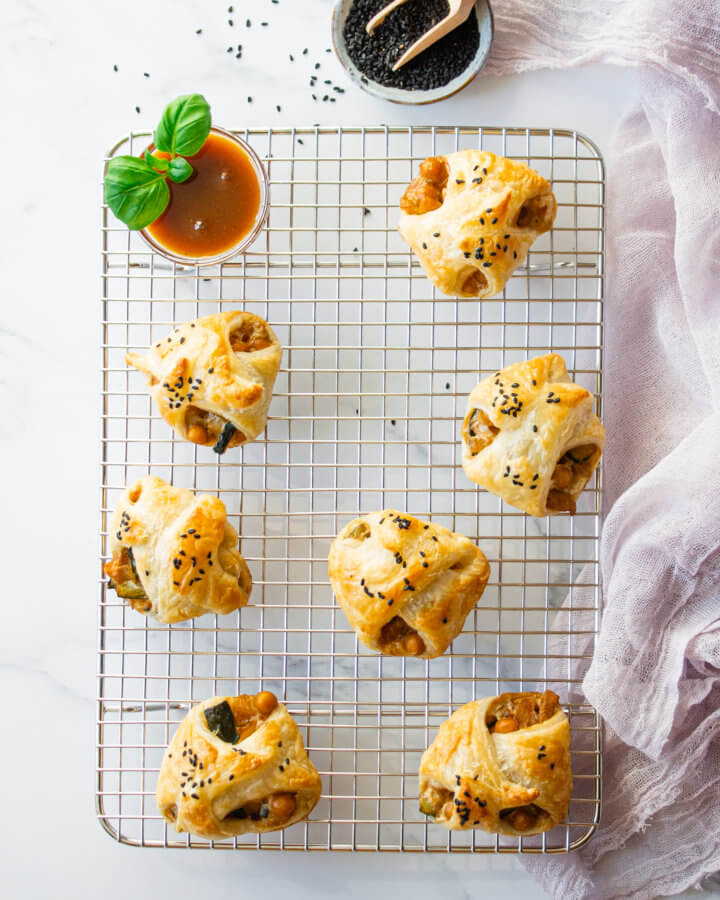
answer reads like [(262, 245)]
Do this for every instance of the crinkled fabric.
[(655, 674)]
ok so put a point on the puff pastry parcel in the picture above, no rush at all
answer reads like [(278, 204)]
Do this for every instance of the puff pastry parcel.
[(236, 765), (406, 586), (530, 436), (212, 379), (501, 764), (470, 217), (174, 554)]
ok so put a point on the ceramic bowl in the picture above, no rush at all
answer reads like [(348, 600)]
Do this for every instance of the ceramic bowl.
[(484, 17)]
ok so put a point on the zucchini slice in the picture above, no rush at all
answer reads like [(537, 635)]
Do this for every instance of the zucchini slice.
[(225, 437), (221, 722)]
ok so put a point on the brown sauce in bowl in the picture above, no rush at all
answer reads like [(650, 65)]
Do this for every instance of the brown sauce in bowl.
[(215, 208)]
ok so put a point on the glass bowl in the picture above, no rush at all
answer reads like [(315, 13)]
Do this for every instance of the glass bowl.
[(248, 237), (481, 11)]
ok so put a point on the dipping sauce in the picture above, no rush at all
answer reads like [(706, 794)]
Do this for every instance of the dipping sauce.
[(216, 207)]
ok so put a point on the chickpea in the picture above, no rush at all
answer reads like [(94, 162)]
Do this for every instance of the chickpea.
[(506, 725), (414, 645), (266, 702), (448, 810), (435, 170), (522, 820), (282, 805), (197, 434), (474, 283), (562, 477), (560, 502)]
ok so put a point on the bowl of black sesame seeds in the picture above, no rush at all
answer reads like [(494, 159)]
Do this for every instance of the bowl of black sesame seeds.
[(439, 72)]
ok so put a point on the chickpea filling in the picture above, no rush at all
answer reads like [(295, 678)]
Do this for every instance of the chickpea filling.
[(511, 712), (249, 712), (251, 335), (536, 213), (474, 284), (425, 193), (522, 818), (434, 800), (236, 718), (205, 428), (359, 532), (572, 472), (124, 578), (278, 807), (478, 431), (397, 638)]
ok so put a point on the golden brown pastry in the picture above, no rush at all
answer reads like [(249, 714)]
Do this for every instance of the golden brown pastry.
[(406, 586), (530, 436), (212, 379), (174, 554), (501, 764), (471, 217), (236, 765)]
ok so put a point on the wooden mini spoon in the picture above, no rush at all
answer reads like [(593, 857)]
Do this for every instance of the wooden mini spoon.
[(458, 13)]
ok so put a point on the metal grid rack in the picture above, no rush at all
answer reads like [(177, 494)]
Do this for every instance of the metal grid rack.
[(365, 415)]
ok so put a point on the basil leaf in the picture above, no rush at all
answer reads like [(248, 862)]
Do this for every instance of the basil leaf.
[(157, 162), (179, 170), (135, 192), (184, 126)]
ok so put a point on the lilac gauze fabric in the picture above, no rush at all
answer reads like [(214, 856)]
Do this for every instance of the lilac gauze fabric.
[(655, 676)]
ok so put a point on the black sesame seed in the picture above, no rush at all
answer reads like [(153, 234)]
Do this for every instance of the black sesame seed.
[(375, 54), (534, 427)]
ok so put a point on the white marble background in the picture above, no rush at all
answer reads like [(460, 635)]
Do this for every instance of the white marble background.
[(63, 107)]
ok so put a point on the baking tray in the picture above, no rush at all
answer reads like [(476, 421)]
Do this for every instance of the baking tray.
[(366, 414)]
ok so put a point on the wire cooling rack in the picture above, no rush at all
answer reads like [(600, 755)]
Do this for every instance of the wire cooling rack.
[(366, 414)]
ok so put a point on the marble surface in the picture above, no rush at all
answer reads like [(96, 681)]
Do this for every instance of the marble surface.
[(64, 106)]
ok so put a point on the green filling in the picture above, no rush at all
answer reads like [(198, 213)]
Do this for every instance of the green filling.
[(225, 437), (221, 722), (130, 590)]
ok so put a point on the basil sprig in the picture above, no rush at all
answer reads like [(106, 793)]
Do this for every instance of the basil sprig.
[(136, 189)]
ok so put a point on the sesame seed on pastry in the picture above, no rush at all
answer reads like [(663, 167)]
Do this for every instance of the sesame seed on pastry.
[(236, 765), (174, 554), (212, 379), (530, 436), (405, 585), (501, 764), (471, 217)]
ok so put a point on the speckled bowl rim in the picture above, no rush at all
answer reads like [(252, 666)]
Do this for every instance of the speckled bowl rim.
[(247, 239), (400, 95)]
